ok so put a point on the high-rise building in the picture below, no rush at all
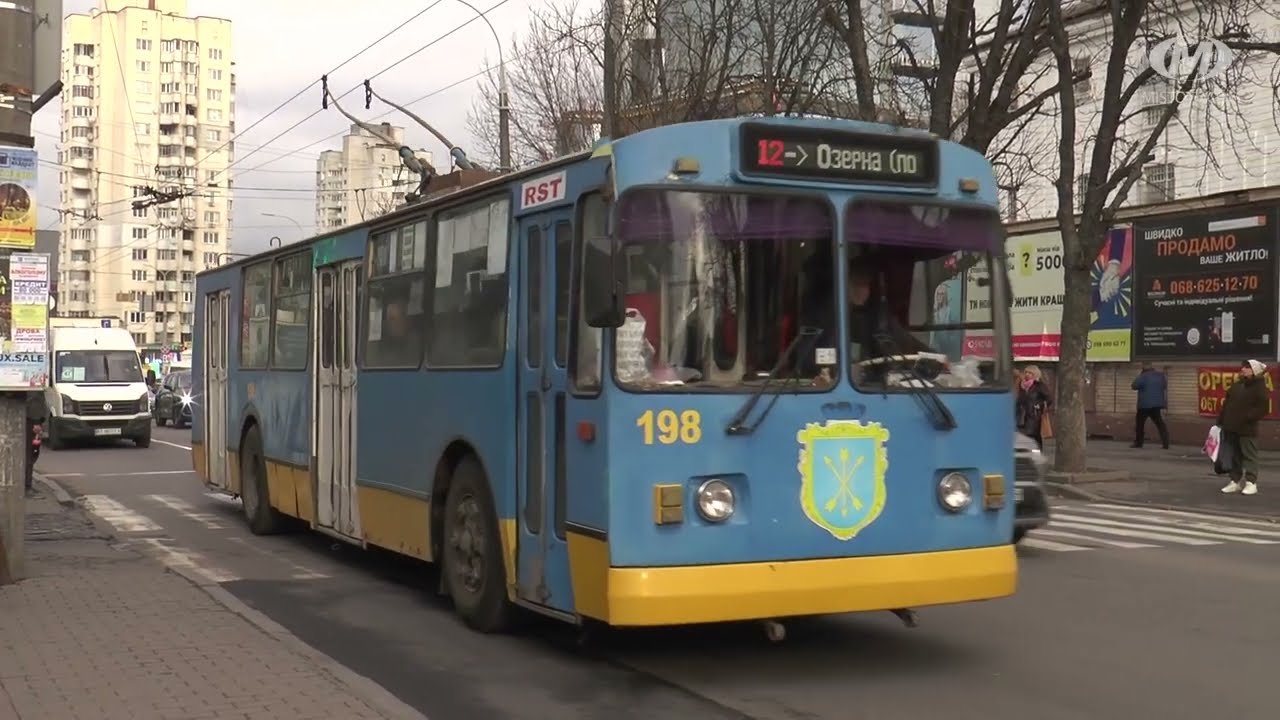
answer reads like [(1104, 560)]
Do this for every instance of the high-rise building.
[(148, 111), (364, 179)]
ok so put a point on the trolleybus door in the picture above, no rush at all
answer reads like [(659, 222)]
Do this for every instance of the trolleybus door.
[(216, 312), (335, 407), (543, 563)]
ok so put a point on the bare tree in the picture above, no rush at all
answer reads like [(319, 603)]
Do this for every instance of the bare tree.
[(554, 75), (679, 61), (1117, 148)]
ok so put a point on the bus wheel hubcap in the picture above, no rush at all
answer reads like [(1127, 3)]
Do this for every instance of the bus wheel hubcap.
[(467, 540)]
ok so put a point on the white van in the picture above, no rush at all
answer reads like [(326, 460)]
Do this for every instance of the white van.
[(96, 387)]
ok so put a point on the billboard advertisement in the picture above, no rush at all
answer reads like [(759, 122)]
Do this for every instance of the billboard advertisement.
[(17, 198), (1207, 285), (24, 321), (1034, 265), (1212, 384)]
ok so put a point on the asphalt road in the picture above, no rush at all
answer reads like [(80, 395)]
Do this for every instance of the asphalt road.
[(1125, 614)]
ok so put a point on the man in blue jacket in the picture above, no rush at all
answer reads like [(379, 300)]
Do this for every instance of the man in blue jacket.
[(1153, 398)]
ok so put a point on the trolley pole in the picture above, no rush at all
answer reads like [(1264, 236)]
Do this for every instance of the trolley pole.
[(17, 76)]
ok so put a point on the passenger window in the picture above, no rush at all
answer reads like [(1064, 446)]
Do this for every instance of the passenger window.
[(292, 322), (469, 295), (564, 252), (593, 227), (255, 317), (397, 301), (533, 325), (328, 326)]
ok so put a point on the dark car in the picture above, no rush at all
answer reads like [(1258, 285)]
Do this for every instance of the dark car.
[(1032, 501), (173, 400)]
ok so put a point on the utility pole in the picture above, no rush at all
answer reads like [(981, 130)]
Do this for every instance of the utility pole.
[(608, 127), (17, 76)]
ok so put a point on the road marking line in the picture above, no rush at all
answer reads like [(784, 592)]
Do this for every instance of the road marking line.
[(1133, 533), (118, 516), (1225, 526), (1164, 528), (1185, 514), (1051, 532), (171, 444), (210, 521), (189, 560), (301, 572), (222, 498), (1039, 544)]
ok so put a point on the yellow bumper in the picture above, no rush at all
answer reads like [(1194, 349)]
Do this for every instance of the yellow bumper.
[(753, 591)]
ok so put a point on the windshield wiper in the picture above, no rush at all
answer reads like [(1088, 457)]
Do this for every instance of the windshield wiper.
[(737, 425), (935, 409)]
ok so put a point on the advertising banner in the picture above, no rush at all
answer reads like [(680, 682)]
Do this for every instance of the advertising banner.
[(1111, 281), (1207, 285), (17, 198), (1034, 265), (1212, 384), (24, 321)]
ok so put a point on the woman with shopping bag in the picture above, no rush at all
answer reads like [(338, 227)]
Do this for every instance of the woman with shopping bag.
[(1246, 403), (1033, 406)]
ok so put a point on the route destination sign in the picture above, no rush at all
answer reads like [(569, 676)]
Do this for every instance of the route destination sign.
[(836, 156)]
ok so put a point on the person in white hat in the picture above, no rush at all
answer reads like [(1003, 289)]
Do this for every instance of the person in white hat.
[(1246, 403)]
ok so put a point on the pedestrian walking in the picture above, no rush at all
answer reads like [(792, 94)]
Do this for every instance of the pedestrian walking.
[(37, 415), (1246, 403), (1153, 398), (1033, 406)]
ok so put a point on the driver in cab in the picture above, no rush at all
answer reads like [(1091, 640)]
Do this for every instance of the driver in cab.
[(873, 329)]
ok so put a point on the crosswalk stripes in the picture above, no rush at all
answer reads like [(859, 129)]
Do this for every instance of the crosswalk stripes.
[(1096, 526), (145, 533)]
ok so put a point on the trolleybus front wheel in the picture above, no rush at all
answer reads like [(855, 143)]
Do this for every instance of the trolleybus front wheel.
[(473, 565)]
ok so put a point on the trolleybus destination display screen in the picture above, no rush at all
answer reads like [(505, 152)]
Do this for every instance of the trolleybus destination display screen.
[(834, 156)]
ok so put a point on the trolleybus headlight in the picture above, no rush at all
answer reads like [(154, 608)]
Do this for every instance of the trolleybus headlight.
[(715, 500), (954, 492)]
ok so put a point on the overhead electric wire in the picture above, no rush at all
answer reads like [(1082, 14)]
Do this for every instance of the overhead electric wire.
[(290, 129), (312, 84)]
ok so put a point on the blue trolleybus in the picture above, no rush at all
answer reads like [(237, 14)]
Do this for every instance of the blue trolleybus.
[(732, 370)]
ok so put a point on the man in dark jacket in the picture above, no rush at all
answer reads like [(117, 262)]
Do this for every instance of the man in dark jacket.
[(1153, 398), (1246, 403), (37, 415)]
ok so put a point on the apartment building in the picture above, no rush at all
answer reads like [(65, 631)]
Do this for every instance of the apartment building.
[(364, 179), (148, 106)]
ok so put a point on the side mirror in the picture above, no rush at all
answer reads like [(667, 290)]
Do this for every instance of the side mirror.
[(602, 304)]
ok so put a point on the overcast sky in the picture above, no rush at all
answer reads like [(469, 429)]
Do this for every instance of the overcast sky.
[(281, 46)]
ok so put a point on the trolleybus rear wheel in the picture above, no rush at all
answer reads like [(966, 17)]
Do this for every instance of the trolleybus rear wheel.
[(473, 564), (263, 519)]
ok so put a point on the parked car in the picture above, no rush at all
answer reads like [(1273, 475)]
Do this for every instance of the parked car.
[(173, 400), (1029, 493)]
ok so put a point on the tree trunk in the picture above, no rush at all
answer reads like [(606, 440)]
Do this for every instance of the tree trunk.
[(1069, 426)]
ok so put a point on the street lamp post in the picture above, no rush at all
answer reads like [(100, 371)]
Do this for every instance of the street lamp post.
[(286, 217), (504, 100)]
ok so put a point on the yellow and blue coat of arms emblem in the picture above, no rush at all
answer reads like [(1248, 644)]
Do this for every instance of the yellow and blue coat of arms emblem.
[(842, 470)]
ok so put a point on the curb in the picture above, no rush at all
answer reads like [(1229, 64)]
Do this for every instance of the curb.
[(59, 493), (378, 697), (1076, 493), (373, 693)]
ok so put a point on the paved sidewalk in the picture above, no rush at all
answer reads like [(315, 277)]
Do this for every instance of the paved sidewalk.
[(98, 631), (1180, 477)]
